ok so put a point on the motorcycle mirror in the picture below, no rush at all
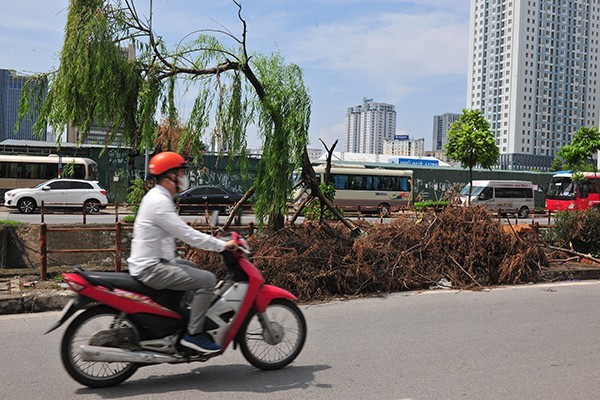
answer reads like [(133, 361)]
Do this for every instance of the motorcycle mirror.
[(214, 218)]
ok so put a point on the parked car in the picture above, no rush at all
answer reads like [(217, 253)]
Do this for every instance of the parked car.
[(210, 198), (58, 193)]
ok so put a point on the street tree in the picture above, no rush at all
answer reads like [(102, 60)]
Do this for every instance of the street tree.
[(471, 142), (97, 85), (579, 154)]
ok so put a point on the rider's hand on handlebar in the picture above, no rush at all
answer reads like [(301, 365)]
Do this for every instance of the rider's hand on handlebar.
[(231, 245)]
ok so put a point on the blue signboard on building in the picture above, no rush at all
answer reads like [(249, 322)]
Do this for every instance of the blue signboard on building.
[(400, 137), (415, 161)]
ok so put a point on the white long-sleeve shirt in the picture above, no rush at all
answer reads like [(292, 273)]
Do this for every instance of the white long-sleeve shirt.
[(156, 226)]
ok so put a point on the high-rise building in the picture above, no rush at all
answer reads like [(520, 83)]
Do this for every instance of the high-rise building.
[(534, 73), (441, 124), (11, 86), (368, 125), (403, 145)]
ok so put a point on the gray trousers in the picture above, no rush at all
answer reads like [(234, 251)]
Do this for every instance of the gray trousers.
[(184, 275)]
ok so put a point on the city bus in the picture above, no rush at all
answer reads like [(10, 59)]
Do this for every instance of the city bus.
[(22, 171), (566, 194), (369, 189)]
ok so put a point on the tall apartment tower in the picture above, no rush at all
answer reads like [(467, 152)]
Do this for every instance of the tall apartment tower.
[(11, 86), (368, 125), (441, 124), (534, 73)]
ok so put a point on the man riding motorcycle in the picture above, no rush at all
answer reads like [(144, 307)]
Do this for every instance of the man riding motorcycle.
[(153, 250)]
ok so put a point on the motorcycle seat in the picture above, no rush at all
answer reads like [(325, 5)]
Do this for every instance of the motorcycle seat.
[(121, 280)]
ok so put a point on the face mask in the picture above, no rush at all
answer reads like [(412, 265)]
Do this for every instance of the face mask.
[(183, 182)]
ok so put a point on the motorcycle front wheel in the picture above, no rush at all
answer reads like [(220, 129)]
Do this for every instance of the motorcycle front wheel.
[(98, 326), (278, 344)]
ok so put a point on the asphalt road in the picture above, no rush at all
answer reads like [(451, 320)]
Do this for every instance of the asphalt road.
[(527, 342)]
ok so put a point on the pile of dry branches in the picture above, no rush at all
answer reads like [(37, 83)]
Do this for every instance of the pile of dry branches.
[(466, 246)]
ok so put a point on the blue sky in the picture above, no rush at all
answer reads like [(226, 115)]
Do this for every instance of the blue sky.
[(412, 54)]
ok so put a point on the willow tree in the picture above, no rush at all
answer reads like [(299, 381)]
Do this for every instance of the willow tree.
[(97, 84)]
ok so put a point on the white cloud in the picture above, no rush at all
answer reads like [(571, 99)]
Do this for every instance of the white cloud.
[(388, 50), (329, 135)]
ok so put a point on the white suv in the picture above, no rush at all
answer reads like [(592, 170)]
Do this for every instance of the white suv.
[(58, 193)]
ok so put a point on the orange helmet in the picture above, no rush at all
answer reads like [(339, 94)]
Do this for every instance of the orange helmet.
[(162, 162)]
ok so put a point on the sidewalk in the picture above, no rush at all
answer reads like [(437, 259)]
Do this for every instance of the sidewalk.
[(13, 300), (39, 298)]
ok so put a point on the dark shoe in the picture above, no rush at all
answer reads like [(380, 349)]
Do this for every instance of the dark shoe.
[(200, 342)]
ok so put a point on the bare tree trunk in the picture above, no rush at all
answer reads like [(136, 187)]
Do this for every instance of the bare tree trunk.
[(327, 176), (240, 203), (276, 221)]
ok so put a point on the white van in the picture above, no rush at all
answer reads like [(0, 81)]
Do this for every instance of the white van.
[(501, 196)]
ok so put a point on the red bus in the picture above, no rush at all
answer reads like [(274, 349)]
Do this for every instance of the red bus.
[(566, 194)]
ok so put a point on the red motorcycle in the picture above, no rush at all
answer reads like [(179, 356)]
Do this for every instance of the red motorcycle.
[(127, 325)]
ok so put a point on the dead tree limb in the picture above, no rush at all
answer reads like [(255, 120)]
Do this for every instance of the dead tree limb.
[(327, 174), (464, 270), (299, 210), (310, 179), (239, 204), (587, 256)]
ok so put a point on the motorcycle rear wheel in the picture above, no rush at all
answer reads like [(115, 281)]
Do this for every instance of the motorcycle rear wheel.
[(269, 353), (94, 326)]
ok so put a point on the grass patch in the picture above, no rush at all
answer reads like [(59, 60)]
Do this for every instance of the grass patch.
[(9, 222)]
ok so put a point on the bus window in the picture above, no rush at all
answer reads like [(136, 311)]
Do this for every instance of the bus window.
[(339, 181), (568, 190), (404, 184), (358, 182), (79, 171), (368, 183), (387, 183), (561, 187), (588, 187), (584, 189), (376, 183), (594, 186)]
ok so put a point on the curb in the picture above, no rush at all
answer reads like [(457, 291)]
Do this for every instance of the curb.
[(13, 300)]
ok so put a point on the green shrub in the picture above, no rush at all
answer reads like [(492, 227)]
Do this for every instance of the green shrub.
[(9, 222), (312, 210), (129, 219), (436, 205), (580, 229), (135, 193)]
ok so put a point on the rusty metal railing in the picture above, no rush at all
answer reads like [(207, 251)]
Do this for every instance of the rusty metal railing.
[(118, 249)]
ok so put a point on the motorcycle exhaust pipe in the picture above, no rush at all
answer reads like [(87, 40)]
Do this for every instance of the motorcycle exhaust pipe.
[(113, 354)]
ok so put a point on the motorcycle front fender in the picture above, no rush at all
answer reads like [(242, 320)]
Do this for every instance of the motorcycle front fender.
[(267, 293), (74, 305)]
